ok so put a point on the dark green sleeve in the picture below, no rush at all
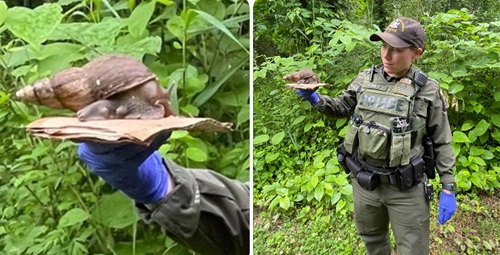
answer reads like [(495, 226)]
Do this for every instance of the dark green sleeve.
[(344, 104), (205, 211), (438, 128)]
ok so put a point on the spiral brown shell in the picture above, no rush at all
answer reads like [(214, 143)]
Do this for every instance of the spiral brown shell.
[(77, 87), (302, 76)]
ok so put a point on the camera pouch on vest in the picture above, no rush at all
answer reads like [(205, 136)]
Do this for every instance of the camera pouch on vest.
[(400, 149), (351, 138), (374, 141)]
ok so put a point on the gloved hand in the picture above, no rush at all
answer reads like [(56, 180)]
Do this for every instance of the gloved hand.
[(136, 170), (447, 207), (310, 95)]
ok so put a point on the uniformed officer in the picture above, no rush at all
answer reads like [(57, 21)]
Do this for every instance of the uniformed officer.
[(394, 107), (200, 209)]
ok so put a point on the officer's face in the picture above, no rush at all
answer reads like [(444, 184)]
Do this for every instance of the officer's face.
[(397, 61)]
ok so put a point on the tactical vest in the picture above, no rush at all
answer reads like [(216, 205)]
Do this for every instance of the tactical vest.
[(384, 123)]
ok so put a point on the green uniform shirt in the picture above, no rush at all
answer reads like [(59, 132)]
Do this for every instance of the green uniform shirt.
[(429, 104)]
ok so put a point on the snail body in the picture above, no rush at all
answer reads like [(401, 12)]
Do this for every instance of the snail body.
[(108, 87), (304, 76)]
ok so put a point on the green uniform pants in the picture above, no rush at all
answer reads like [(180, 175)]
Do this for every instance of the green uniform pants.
[(407, 211)]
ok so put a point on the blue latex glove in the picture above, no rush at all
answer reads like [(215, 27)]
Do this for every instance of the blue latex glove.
[(447, 207), (310, 95), (136, 170)]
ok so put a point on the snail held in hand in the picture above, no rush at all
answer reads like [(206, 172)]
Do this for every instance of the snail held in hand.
[(108, 87), (304, 76)]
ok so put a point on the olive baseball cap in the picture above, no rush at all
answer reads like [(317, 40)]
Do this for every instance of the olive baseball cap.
[(401, 33)]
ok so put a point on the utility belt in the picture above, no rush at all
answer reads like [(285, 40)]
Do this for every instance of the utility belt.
[(370, 177)]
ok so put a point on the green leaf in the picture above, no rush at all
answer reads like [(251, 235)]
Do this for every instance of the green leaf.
[(340, 122), (328, 189), (487, 155), (207, 93), (346, 190), (216, 23), (282, 191), (318, 192), (278, 137), (497, 96), (243, 115), (213, 7), (459, 73), (475, 151), (481, 128), (320, 123), (487, 246), (138, 20), (274, 202), (479, 161), (271, 156), (298, 120), (150, 45), (335, 198), (176, 26), (165, 2), (73, 217), (260, 139), (3, 97), (456, 148), (468, 124), (340, 205), (285, 203), (177, 45), (307, 127), (194, 85), (196, 154), (89, 34), (68, 2), (455, 88), (34, 26), (349, 47), (178, 134), (3, 12), (115, 211), (190, 109), (477, 178), (460, 137), (495, 119)]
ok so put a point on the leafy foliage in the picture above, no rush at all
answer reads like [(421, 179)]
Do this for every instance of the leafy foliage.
[(51, 204)]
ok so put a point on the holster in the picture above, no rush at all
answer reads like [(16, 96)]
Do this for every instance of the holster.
[(366, 180), (428, 157), (342, 154)]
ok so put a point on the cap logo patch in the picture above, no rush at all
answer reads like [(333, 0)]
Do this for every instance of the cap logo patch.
[(393, 27)]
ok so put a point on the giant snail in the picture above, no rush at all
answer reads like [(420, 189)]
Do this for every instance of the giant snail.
[(304, 76), (108, 87)]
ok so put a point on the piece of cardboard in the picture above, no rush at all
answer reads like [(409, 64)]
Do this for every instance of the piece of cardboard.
[(307, 86), (140, 131)]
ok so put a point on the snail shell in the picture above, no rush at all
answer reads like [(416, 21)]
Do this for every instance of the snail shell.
[(302, 76), (77, 87), (108, 87)]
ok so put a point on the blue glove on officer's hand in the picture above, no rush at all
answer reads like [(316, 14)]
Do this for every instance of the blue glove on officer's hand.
[(310, 95), (447, 207), (137, 170)]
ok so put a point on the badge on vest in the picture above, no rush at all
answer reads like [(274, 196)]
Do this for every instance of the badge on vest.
[(404, 87)]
